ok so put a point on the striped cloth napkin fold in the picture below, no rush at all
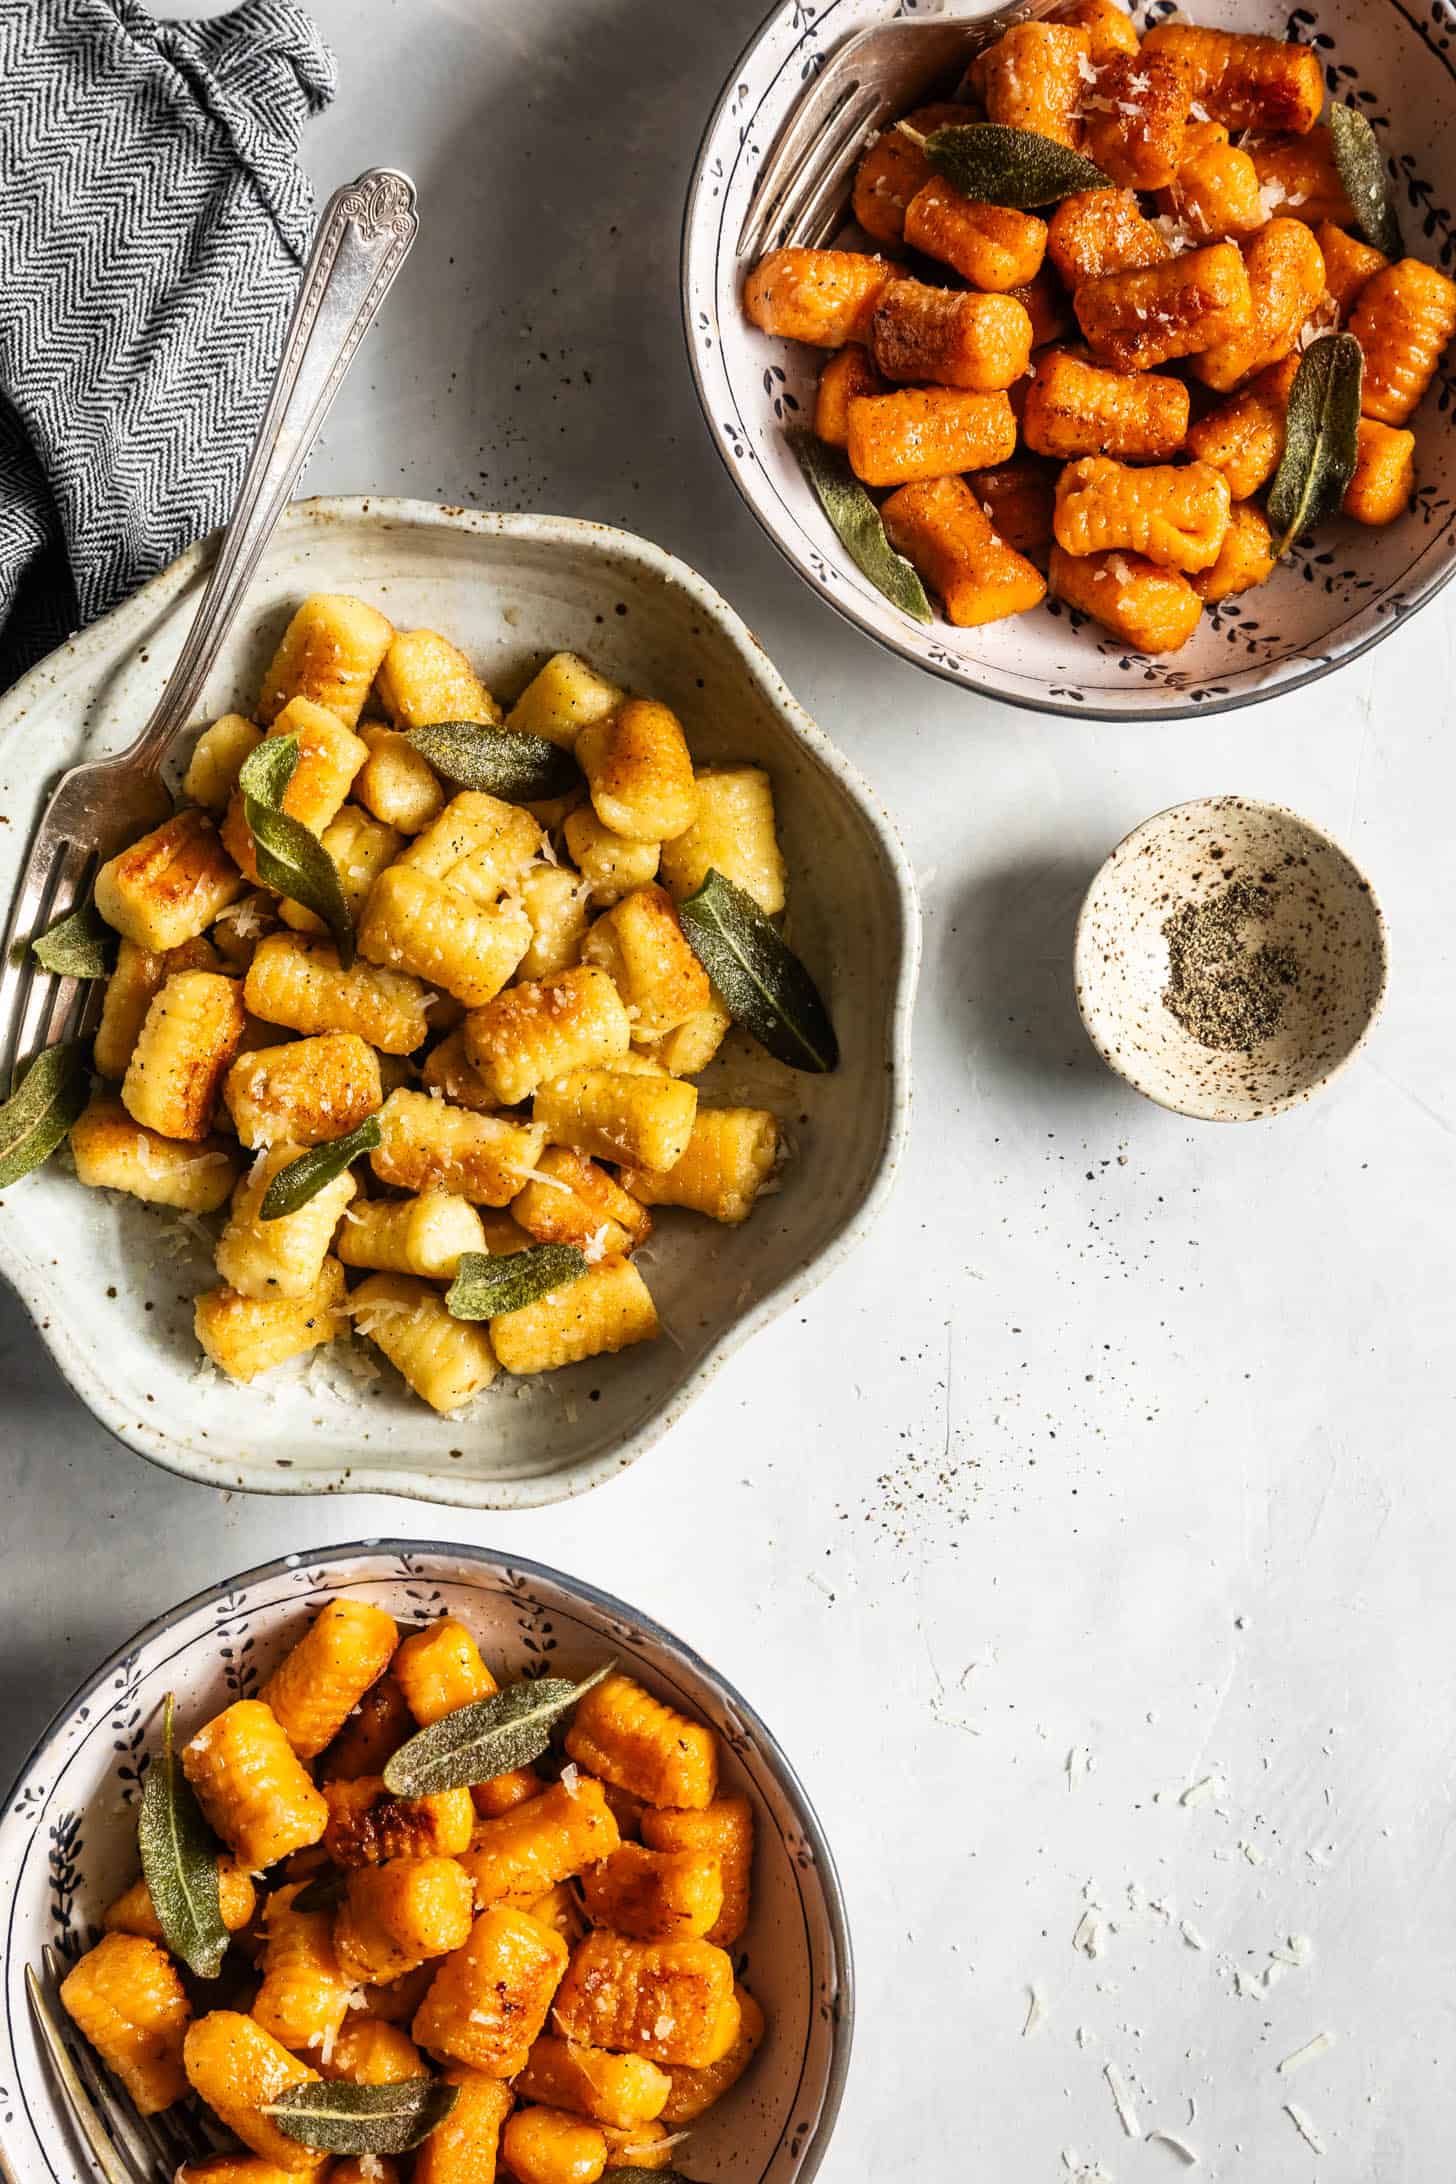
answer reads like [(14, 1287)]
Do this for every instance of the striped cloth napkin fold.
[(153, 223)]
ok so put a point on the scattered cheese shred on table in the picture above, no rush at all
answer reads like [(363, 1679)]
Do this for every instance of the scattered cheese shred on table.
[(1186, 2154), (1036, 2009), (1198, 1793), (1304, 2127), (1319, 2045), (1122, 2100)]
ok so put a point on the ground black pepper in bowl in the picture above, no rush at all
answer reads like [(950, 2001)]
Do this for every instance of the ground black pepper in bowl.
[(1225, 987)]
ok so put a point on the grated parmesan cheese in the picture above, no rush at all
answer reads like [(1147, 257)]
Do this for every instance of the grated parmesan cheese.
[(1122, 2100), (1178, 2146), (1198, 1793), (1319, 2045), (1304, 2126), (1036, 2009)]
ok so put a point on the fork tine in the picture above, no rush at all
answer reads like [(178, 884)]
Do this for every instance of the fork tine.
[(48, 1000), (108, 2158), (817, 206), (797, 142), (28, 915), (131, 2133)]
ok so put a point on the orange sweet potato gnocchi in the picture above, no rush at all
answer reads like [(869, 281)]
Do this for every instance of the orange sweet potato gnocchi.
[(573, 1988), (1097, 384)]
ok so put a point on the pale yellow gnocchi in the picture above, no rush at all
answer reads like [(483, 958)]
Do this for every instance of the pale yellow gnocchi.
[(504, 1057)]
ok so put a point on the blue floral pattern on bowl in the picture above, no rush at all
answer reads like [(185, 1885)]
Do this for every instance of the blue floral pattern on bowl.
[(1338, 593), (68, 1827)]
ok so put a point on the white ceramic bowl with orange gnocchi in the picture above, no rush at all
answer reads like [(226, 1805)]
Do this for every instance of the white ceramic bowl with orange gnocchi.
[(108, 1275), (1336, 592), (68, 1831)]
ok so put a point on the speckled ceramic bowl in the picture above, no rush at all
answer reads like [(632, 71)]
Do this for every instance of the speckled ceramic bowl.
[(110, 1282), (1338, 593), (1321, 911), (68, 1829)]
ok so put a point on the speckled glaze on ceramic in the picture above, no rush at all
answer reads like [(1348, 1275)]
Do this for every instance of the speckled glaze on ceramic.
[(110, 1282), (68, 1829), (1323, 911), (1337, 593)]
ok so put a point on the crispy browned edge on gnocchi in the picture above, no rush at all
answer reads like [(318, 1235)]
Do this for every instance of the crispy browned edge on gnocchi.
[(554, 1943), (1123, 360), (523, 1021)]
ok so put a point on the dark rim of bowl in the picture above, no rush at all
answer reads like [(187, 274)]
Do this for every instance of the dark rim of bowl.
[(1061, 708), (842, 2035)]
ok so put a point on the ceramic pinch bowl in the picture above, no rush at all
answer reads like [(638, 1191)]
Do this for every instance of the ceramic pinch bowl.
[(68, 1830), (1321, 911)]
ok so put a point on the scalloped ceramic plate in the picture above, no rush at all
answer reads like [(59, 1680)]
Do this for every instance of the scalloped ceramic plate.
[(68, 1829), (110, 1281), (1338, 593)]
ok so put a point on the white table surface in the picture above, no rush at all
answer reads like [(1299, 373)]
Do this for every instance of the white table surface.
[(1124, 1438)]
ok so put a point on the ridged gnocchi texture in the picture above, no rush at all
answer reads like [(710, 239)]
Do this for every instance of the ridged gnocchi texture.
[(114, 1152), (191, 1031), (305, 1092), (445, 1360), (330, 654), (488, 2001), (252, 1787), (316, 1687), (126, 1997), (518, 1009), (237, 2069), (168, 887), (569, 1981), (1220, 249)]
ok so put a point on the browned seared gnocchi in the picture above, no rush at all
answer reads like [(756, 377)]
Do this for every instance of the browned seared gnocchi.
[(1133, 223), (503, 1935), (430, 1112)]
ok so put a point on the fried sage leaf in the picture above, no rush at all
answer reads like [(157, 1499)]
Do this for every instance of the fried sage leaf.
[(1321, 437), (856, 523), (762, 983), (324, 1894), (305, 1177), (524, 769), (1362, 171), (996, 165), (82, 945), (488, 1738), (484, 1286), (634, 2176), (41, 1110), (362, 2119), (288, 857), (179, 1859)]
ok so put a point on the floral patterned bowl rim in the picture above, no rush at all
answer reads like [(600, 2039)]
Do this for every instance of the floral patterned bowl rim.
[(1337, 595), (788, 2129)]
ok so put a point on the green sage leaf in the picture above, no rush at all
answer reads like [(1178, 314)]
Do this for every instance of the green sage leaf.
[(484, 1287), (305, 1177), (996, 165), (82, 945), (288, 857), (179, 1859), (325, 1893), (41, 1109), (856, 523), (490, 1737), (1361, 169), (362, 2119), (1321, 437), (634, 2176), (761, 982), (524, 769)]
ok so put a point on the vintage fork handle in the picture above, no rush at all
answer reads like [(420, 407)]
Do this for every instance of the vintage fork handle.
[(362, 240)]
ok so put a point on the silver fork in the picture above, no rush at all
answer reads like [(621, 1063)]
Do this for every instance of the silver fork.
[(363, 239), (869, 80), (128, 2148)]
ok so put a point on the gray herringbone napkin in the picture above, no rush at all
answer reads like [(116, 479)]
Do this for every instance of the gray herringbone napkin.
[(153, 221)]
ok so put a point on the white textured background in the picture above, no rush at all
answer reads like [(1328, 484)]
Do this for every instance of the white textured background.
[(1125, 1438)]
